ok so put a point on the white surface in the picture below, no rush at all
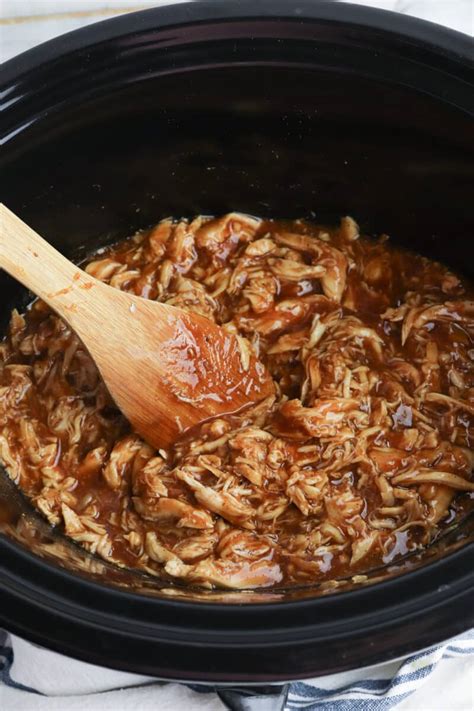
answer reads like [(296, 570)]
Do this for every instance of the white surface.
[(24, 23)]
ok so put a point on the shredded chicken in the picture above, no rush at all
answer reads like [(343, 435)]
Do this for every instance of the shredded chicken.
[(366, 446)]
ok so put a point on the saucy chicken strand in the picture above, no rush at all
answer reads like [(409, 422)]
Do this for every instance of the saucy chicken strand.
[(363, 454)]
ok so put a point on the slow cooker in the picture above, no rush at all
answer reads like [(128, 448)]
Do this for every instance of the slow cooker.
[(286, 109)]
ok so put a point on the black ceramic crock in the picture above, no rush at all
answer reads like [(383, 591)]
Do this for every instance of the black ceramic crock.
[(277, 108)]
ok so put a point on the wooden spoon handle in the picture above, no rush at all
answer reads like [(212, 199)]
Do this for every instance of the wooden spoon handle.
[(37, 265)]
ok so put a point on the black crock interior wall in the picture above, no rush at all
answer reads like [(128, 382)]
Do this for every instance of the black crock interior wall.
[(264, 140)]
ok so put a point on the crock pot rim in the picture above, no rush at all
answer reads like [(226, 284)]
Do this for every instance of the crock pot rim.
[(455, 44)]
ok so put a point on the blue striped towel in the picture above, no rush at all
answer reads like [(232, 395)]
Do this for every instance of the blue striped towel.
[(73, 684), (371, 694)]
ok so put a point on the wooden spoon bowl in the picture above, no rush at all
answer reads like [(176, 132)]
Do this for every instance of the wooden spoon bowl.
[(167, 369)]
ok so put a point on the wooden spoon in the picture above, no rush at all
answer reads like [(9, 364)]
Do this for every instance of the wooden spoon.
[(167, 369)]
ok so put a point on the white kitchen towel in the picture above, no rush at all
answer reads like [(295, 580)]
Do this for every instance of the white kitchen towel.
[(35, 679)]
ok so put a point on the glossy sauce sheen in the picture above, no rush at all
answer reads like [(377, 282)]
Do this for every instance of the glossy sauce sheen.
[(363, 454), (204, 371)]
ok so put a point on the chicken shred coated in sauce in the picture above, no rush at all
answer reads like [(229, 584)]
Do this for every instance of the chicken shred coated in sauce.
[(364, 453)]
